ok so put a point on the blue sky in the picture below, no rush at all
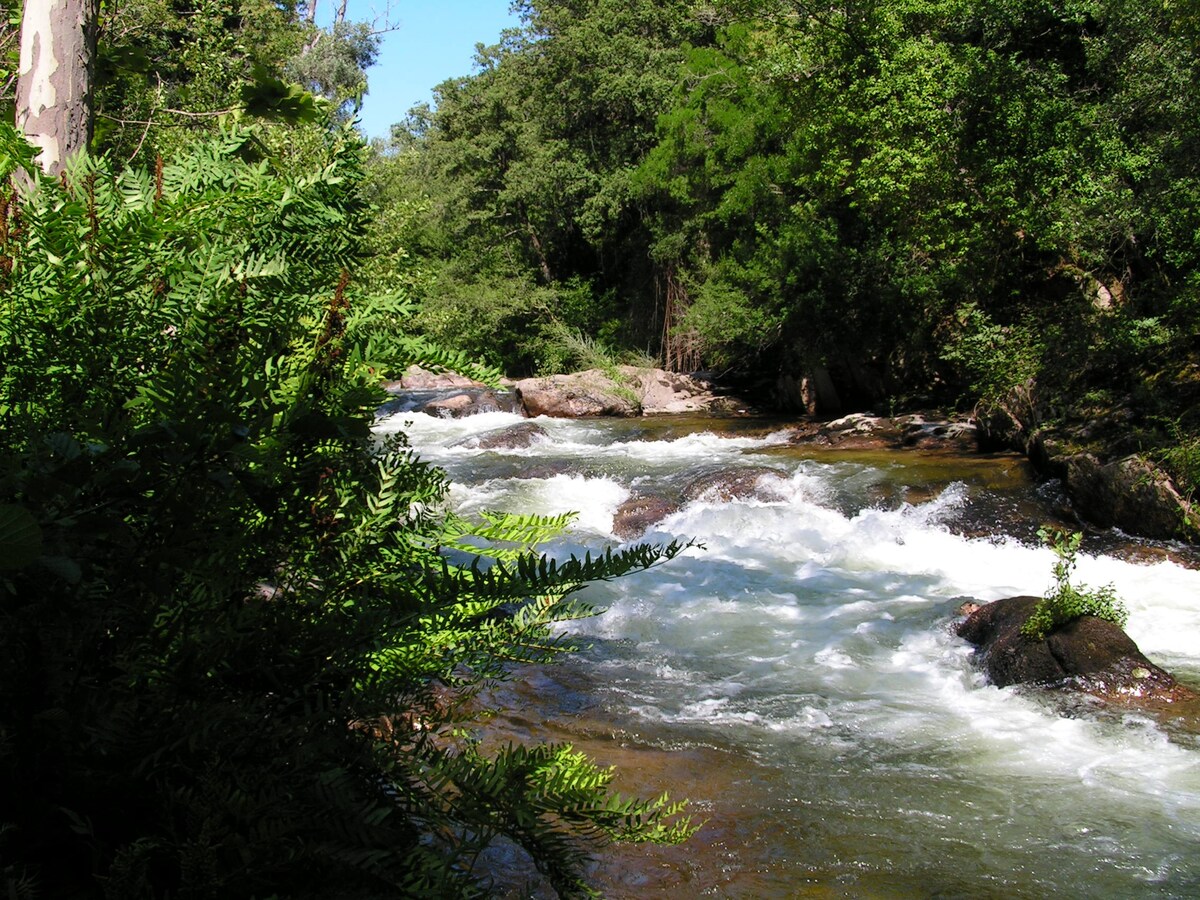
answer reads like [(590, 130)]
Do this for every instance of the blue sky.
[(434, 41)]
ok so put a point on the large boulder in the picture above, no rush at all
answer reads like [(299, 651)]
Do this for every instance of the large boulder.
[(1088, 654), (624, 391), (576, 396)]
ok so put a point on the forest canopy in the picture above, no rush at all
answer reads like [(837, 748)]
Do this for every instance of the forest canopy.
[(933, 201)]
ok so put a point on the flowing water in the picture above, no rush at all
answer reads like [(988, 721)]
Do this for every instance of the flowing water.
[(797, 678)]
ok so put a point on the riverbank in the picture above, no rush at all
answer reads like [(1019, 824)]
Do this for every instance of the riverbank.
[(1101, 489)]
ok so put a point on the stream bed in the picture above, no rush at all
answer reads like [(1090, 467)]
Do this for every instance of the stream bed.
[(797, 677)]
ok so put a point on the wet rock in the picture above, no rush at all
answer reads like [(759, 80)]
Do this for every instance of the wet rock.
[(1130, 493), (514, 437), (1089, 655), (732, 484), (467, 403), (918, 431), (637, 514), (1106, 485)]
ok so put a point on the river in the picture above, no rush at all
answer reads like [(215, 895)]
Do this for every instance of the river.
[(797, 677)]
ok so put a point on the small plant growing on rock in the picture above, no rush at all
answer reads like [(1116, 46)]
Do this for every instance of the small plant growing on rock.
[(1065, 602)]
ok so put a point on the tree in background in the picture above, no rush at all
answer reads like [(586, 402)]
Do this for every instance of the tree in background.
[(935, 202), (56, 74), (527, 170)]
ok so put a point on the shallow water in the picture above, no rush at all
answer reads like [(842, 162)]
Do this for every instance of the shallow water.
[(796, 676)]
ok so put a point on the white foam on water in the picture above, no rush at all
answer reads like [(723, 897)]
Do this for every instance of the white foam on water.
[(797, 627), (592, 500)]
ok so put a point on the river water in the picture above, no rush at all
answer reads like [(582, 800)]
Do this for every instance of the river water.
[(797, 678)]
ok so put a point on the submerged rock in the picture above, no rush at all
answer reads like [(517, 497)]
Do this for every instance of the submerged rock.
[(514, 437), (637, 514), (467, 403), (740, 483), (1090, 655)]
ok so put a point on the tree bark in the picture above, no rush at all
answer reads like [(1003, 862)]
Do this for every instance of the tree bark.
[(54, 83)]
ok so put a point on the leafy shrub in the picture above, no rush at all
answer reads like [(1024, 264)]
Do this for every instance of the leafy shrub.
[(992, 359), (1182, 461), (493, 317), (236, 656), (1065, 602)]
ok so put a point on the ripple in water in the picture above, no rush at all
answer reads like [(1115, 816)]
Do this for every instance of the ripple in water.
[(796, 676)]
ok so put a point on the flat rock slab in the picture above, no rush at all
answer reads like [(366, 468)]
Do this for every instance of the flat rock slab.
[(916, 431)]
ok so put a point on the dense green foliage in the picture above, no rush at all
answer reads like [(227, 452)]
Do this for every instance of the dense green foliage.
[(531, 223), (1065, 602), (931, 200), (240, 638)]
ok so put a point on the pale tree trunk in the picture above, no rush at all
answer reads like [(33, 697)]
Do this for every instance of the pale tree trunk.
[(54, 84)]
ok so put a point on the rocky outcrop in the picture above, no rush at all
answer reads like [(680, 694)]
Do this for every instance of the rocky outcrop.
[(577, 396), (625, 391), (668, 393), (1125, 491), (1089, 654), (1132, 494)]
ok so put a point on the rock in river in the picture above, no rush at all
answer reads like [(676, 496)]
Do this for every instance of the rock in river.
[(1089, 654)]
